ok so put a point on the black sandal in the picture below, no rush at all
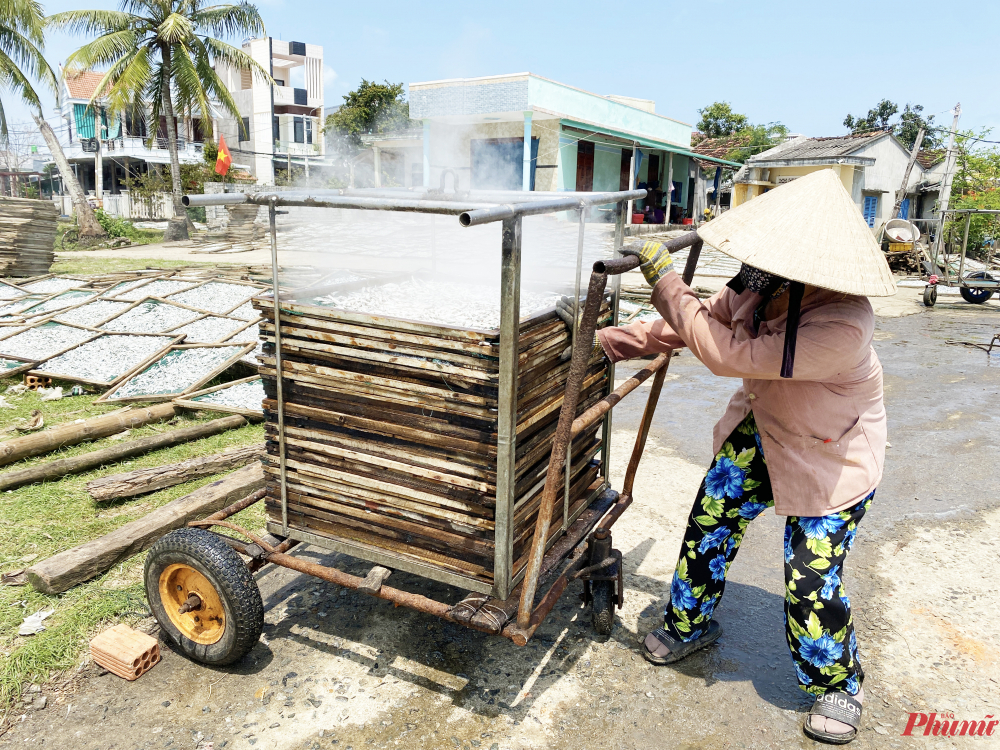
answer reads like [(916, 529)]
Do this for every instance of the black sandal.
[(839, 706), (679, 649)]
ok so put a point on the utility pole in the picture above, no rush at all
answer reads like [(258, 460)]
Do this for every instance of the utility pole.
[(945, 195), (901, 193)]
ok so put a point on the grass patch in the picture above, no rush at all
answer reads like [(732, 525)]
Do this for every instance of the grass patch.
[(43, 519), (136, 235)]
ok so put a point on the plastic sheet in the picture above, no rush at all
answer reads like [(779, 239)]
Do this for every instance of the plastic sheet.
[(43, 341), (215, 296), (179, 370), (151, 316), (105, 359), (10, 292), (209, 330), (248, 395)]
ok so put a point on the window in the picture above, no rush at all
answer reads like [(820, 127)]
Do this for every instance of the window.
[(904, 209), (301, 96), (279, 81), (871, 209), (245, 129), (275, 129), (246, 79), (309, 130), (299, 130)]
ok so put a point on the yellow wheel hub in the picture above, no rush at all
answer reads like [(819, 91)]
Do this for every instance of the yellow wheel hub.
[(206, 622)]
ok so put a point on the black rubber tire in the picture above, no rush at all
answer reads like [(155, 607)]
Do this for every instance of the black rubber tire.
[(602, 606), (976, 296), (930, 295), (219, 563)]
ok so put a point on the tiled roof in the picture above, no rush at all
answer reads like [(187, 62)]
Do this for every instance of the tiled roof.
[(819, 148), (717, 147), (83, 85), (927, 158)]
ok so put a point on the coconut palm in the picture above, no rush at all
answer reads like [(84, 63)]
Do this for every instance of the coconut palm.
[(161, 53), (21, 39)]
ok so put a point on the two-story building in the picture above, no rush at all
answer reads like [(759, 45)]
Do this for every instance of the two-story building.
[(107, 151), (281, 125)]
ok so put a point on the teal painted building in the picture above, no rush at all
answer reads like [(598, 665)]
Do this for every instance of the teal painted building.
[(526, 132)]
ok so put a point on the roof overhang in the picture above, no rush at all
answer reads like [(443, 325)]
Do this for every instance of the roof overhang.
[(646, 142), (819, 161)]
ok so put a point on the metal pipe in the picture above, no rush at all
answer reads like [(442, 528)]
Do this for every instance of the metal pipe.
[(602, 407), (312, 200), (283, 469), (567, 473), (239, 505), (965, 243), (647, 421), (616, 288), (578, 368), (629, 262), (510, 316), (498, 213)]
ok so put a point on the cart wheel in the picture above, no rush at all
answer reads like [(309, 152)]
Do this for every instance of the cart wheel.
[(976, 296), (930, 295), (203, 596), (602, 603)]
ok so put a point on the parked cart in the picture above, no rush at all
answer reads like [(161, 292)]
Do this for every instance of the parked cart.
[(355, 412), (976, 287)]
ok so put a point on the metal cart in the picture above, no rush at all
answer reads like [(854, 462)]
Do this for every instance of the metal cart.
[(976, 287), (199, 582)]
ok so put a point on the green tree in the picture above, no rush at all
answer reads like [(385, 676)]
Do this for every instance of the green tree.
[(21, 59), (718, 119), (753, 139), (976, 185), (905, 128), (161, 53), (371, 108)]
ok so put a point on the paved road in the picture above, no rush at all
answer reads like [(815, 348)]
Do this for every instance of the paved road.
[(338, 670)]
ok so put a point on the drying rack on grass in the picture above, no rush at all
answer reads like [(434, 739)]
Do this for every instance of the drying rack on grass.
[(502, 492)]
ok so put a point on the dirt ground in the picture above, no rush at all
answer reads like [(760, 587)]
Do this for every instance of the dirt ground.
[(338, 670)]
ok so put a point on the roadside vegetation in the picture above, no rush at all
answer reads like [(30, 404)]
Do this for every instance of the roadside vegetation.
[(41, 520)]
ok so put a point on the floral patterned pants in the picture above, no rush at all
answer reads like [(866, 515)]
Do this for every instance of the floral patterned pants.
[(818, 622)]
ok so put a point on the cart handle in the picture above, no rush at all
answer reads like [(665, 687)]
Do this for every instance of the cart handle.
[(564, 429)]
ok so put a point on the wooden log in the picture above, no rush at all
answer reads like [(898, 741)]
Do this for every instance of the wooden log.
[(143, 481), (63, 466), (77, 432), (63, 571)]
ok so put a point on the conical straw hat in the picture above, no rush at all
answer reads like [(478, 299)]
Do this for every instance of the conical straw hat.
[(806, 230)]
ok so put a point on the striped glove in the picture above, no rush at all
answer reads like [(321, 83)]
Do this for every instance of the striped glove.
[(656, 260)]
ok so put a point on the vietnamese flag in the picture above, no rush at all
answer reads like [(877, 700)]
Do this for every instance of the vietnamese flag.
[(224, 159)]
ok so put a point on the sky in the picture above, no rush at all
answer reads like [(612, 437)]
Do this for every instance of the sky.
[(804, 64)]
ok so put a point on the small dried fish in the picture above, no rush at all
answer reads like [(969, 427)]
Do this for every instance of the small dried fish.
[(150, 316), (215, 296), (177, 371), (107, 358), (208, 330), (249, 395), (53, 285), (43, 341)]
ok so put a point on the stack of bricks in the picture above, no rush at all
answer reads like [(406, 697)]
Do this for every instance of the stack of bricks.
[(125, 652)]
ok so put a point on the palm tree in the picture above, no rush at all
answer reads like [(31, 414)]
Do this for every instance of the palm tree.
[(21, 39), (161, 52)]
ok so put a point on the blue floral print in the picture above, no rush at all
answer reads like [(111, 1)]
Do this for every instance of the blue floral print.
[(724, 480), (818, 622)]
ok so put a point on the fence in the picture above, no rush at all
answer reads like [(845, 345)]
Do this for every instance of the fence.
[(128, 206)]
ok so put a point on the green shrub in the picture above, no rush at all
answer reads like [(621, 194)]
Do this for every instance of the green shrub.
[(115, 227)]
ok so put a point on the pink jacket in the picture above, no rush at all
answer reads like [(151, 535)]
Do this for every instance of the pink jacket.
[(823, 431)]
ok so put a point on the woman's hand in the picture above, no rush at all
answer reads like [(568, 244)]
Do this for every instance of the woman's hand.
[(656, 260)]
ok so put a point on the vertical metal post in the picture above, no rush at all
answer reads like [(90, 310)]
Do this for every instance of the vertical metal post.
[(576, 330), (526, 166), (510, 316), (271, 214), (965, 242), (427, 153), (616, 286)]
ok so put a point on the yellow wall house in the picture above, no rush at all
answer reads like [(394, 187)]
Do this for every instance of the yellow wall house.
[(871, 166)]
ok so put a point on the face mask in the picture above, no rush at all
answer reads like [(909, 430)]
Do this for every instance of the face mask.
[(757, 281)]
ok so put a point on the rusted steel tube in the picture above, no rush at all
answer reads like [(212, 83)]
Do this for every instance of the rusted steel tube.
[(238, 529), (614, 514), (389, 594), (616, 266), (232, 510), (578, 368), (602, 407), (258, 563), (521, 635), (647, 421)]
